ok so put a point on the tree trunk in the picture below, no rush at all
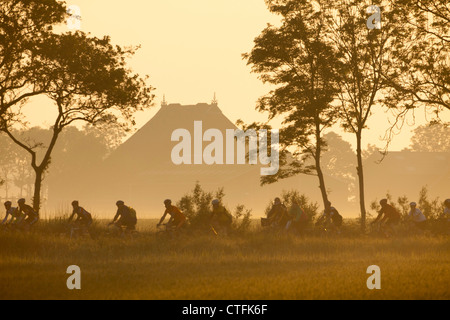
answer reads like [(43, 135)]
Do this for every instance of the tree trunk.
[(6, 187), (322, 187), (39, 170), (318, 155), (360, 172), (37, 189)]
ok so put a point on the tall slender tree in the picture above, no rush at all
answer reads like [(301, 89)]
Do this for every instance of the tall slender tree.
[(365, 55), (299, 61)]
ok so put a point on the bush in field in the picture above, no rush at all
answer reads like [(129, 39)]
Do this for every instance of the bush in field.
[(432, 209), (241, 219), (288, 197), (197, 207)]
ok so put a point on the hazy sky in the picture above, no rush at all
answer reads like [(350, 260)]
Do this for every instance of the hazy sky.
[(191, 49)]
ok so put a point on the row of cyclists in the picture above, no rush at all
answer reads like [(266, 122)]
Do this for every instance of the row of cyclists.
[(279, 217), (388, 218), (24, 217), (295, 219)]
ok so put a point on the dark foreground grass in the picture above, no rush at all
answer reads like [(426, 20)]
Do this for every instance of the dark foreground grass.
[(251, 266)]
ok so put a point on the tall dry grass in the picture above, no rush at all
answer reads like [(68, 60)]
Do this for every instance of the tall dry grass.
[(254, 265)]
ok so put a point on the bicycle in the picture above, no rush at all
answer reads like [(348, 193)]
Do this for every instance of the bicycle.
[(169, 230), (18, 226), (380, 229), (326, 229), (164, 229), (76, 230), (121, 231), (374, 230)]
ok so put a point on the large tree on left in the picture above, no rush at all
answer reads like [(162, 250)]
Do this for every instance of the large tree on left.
[(87, 79)]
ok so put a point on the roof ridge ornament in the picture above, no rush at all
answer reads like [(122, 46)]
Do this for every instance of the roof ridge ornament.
[(164, 102), (214, 101)]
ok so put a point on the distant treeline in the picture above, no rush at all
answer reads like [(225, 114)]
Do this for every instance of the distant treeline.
[(78, 153)]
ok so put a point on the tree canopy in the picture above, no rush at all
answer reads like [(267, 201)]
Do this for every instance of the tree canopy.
[(25, 25), (86, 77), (296, 58)]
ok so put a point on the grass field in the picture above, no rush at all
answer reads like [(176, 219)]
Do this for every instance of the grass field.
[(251, 266)]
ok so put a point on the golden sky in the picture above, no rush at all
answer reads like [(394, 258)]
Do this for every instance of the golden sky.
[(191, 49)]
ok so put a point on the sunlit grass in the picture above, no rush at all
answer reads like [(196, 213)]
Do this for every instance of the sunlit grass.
[(249, 266)]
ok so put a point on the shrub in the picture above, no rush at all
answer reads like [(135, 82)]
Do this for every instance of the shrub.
[(432, 209), (196, 205), (241, 219), (288, 197)]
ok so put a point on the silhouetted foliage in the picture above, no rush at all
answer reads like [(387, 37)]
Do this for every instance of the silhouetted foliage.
[(105, 94), (433, 137), (14, 169), (25, 25), (289, 196), (338, 158), (364, 57), (297, 58), (422, 71), (197, 207), (77, 155)]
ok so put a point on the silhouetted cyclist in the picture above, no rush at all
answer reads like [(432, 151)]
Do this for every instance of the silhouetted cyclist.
[(84, 218), (30, 216), (177, 218), (299, 219), (221, 220), (331, 218), (417, 217), (278, 215), (125, 217), (14, 212), (388, 217)]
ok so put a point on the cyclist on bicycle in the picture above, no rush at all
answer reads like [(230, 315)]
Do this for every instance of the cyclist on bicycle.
[(278, 215), (177, 218), (299, 219), (14, 212), (84, 218), (387, 215), (221, 219), (417, 217), (125, 217), (331, 218), (28, 212)]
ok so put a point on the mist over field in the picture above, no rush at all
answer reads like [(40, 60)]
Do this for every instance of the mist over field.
[(224, 150), (141, 172)]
